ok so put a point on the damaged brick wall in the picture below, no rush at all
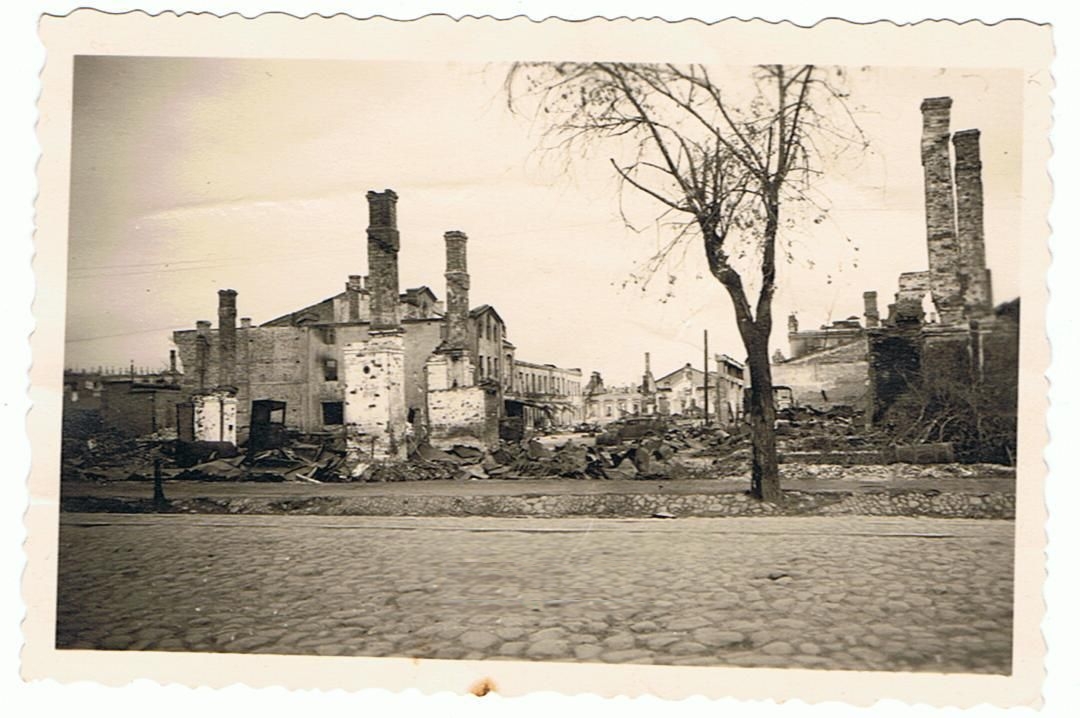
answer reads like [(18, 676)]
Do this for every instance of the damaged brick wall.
[(913, 288), (214, 417), (375, 410), (463, 415), (130, 413), (894, 366), (270, 364), (999, 353), (835, 377), (946, 353)]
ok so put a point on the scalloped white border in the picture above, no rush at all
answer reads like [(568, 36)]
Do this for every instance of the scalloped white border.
[(457, 675)]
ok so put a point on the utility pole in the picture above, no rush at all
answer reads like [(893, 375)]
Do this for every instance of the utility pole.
[(706, 377)]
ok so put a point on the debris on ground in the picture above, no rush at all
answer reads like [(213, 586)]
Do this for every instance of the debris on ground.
[(811, 445)]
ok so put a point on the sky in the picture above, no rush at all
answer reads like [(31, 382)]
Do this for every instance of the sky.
[(192, 175)]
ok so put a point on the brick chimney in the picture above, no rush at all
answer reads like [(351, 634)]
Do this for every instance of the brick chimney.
[(172, 362), (942, 245), (245, 322), (202, 352), (457, 291), (383, 245), (978, 298), (353, 288), (648, 383), (227, 337), (870, 310)]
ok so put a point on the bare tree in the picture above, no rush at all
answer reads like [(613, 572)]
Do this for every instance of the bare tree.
[(724, 157)]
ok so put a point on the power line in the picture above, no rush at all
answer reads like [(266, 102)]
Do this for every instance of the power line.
[(120, 334), (214, 265), (272, 259)]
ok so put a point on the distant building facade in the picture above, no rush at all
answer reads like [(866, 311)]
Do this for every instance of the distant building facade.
[(679, 393)]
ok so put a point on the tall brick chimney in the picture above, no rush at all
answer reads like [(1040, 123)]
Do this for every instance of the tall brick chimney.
[(172, 362), (870, 310), (457, 291), (202, 352), (978, 298), (383, 245), (227, 337), (941, 239)]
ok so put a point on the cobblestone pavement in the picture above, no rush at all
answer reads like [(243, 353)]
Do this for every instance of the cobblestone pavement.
[(864, 593)]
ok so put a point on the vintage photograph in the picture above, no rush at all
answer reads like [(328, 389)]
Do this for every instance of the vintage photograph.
[(589, 362)]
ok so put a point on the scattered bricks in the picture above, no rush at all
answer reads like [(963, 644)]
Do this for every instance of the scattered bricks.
[(469, 453), (664, 451), (473, 472), (642, 459), (571, 461), (537, 451)]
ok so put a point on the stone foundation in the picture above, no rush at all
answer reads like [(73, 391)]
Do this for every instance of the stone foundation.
[(899, 502)]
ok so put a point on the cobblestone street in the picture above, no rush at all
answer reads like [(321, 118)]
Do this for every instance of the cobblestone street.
[(863, 593)]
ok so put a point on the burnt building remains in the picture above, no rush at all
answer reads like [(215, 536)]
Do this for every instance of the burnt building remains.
[(942, 340), (385, 368)]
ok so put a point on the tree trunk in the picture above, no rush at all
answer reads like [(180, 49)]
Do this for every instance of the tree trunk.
[(765, 472)]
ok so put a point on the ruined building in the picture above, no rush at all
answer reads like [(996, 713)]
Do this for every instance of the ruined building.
[(942, 325), (387, 369), (544, 395), (678, 393), (131, 402), (828, 366)]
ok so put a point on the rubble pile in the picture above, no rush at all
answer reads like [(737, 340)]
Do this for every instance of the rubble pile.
[(663, 452), (811, 445), (103, 454), (301, 460), (804, 429)]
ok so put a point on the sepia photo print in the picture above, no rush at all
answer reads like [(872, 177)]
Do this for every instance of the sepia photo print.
[(592, 359)]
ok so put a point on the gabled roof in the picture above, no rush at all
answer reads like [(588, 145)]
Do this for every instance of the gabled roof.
[(697, 374), (323, 312), (413, 291), (320, 311), (477, 311)]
